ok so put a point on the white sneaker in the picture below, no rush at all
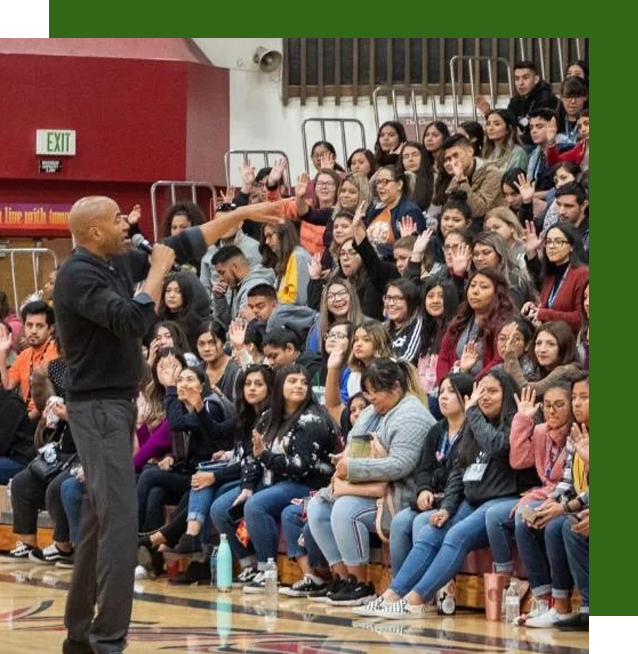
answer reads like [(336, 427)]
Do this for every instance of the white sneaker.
[(547, 619), (371, 607), (539, 607), (141, 572), (401, 610)]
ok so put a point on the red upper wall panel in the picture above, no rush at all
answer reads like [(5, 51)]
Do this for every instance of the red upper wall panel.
[(166, 49)]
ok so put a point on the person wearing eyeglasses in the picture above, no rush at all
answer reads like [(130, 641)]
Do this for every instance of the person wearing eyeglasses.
[(564, 276), (401, 305)]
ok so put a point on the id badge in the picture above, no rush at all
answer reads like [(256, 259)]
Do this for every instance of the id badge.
[(475, 472), (267, 477)]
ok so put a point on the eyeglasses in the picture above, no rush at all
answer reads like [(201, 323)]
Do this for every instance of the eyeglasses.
[(554, 406), (325, 185), (451, 248), (347, 254), (381, 181), (555, 242), (393, 299), (337, 295), (340, 336)]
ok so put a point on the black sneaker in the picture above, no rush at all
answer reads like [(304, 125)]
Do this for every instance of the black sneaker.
[(257, 585), (196, 573), (354, 593), (76, 647), (245, 577), (21, 551), (188, 544), (577, 622), (325, 594), (49, 554), (302, 588)]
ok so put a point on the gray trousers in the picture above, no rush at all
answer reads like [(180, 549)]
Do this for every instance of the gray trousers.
[(106, 555)]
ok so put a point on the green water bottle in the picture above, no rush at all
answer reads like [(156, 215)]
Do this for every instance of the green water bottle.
[(224, 565)]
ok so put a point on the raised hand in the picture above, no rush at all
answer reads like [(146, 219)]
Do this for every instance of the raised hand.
[(153, 351), (277, 171), (258, 444), (135, 214), (301, 187), (526, 404), (228, 195), (525, 187), (247, 172), (336, 357), (398, 149), (551, 129), (457, 169), (469, 357), (5, 339), (407, 226), (579, 437), (482, 104), (478, 391), (359, 214), (531, 240), (327, 160), (237, 333), (461, 260), (168, 369), (314, 266), (421, 243)]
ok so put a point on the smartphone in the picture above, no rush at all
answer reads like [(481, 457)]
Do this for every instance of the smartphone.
[(573, 518), (529, 514), (236, 513)]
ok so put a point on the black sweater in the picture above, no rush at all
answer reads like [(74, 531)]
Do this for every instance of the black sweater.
[(16, 430), (520, 106), (101, 325)]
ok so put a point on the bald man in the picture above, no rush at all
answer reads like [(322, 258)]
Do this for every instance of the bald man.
[(100, 324)]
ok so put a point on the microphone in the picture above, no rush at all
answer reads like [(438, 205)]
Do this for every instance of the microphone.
[(141, 243)]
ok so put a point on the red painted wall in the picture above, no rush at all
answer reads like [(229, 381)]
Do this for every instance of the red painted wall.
[(137, 121)]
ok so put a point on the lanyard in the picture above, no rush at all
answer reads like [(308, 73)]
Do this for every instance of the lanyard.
[(445, 445), (31, 366), (551, 462), (556, 289)]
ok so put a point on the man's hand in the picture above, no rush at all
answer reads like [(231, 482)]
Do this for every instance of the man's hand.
[(162, 257), (482, 104)]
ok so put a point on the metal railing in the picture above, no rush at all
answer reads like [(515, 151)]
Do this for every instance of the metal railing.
[(173, 186), (342, 122), (409, 92), (473, 64), (35, 264), (248, 154)]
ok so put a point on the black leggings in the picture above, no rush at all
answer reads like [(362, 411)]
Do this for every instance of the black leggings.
[(155, 489)]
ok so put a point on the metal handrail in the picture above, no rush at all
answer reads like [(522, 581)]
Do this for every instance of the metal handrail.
[(247, 154), (12, 252), (403, 90), (322, 124)]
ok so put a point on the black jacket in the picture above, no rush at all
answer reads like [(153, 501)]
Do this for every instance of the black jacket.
[(16, 430), (101, 325), (520, 107)]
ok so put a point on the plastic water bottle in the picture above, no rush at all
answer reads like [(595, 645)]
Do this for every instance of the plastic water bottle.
[(270, 577), (213, 567), (512, 604), (224, 560)]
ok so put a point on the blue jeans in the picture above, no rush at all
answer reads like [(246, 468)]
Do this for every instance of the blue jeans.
[(577, 548), (9, 468), (293, 527), (72, 492), (543, 554), (263, 513), (438, 554), (404, 530), (342, 529), (224, 525), (200, 501), (500, 531)]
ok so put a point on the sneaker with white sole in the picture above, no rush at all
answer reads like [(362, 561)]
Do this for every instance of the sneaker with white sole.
[(49, 554), (547, 620), (401, 610), (21, 551), (370, 608), (245, 577), (325, 595), (539, 607), (303, 587), (354, 593), (257, 585)]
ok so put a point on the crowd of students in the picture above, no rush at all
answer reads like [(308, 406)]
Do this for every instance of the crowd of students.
[(404, 357)]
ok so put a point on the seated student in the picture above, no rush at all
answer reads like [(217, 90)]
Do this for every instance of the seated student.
[(574, 95), (247, 341), (473, 131), (184, 301), (518, 193), (283, 347), (401, 303), (414, 159), (280, 250), (531, 93), (235, 236), (506, 224), (328, 264), (383, 219), (199, 427), (435, 464), (501, 145), (582, 343), (480, 180), (539, 166), (338, 337), (543, 447), (482, 478), (362, 161), (470, 338), (29, 492), (220, 370), (179, 217), (552, 356), (16, 436), (564, 276), (340, 525), (390, 138), (41, 348), (564, 174), (573, 208), (579, 154), (167, 334), (235, 273), (512, 343)]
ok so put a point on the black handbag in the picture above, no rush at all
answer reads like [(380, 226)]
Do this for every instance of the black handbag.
[(48, 463)]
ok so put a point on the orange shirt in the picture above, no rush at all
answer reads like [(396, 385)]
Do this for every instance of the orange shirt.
[(26, 361), (380, 229)]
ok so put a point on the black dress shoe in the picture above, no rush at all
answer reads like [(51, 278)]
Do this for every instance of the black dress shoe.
[(578, 622), (196, 573), (76, 647)]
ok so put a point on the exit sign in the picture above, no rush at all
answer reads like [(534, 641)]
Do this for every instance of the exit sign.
[(55, 141)]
